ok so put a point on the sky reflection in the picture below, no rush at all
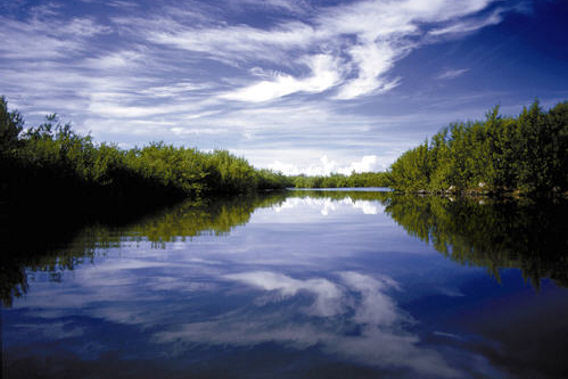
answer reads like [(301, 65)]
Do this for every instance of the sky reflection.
[(305, 283), (352, 316)]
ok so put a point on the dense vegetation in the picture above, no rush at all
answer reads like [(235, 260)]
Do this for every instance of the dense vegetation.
[(363, 179), (54, 162), (526, 154)]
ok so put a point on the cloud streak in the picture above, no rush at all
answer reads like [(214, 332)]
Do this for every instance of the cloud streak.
[(209, 75), (452, 74), (367, 37), (324, 76)]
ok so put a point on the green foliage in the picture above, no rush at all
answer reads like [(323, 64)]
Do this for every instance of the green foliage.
[(268, 179), (364, 179), (11, 125), (527, 154), (70, 168), (412, 168)]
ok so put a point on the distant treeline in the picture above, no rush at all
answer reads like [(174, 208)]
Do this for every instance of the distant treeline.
[(526, 154), (53, 163), (363, 179)]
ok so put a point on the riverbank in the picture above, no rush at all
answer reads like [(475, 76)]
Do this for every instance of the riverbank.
[(525, 155), (496, 194), (51, 163)]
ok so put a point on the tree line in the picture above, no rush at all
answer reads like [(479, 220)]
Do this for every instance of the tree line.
[(525, 154), (53, 162), (362, 179)]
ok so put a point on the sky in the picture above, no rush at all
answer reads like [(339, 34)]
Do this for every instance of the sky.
[(298, 86)]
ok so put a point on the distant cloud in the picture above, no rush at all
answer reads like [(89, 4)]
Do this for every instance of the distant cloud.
[(325, 206), (291, 6), (324, 76), (468, 26), (452, 74), (121, 4), (326, 166)]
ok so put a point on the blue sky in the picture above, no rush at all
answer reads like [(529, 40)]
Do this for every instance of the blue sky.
[(293, 85)]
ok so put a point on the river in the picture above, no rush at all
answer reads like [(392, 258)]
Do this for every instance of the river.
[(331, 284)]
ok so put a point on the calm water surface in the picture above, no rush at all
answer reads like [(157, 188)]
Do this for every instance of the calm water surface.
[(304, 284)]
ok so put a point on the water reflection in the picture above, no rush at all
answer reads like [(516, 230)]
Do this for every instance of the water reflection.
[(176, 223), (493, 234), (352, 316), (304, 283), (327, 206)]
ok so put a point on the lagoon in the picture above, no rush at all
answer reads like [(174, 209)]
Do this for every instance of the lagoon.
[(299, 284)]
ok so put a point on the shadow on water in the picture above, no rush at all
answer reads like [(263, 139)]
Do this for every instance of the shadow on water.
[(532, 237)]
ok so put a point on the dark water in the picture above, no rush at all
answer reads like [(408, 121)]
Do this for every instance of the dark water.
[(305, 284)]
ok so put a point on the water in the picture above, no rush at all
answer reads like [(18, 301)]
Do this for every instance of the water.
[(304, 284)]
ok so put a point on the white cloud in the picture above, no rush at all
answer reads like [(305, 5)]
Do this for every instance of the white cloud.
[(324, 76), (53, 330), (373, 34), (468, 26), (328, 295), (275, 92), (368, 163), (367, 207), (175, 89), (291, 6), (237, 42), (452, 74), (114, 60), (372, 61), (326, 206), (81, 27), (47, 36), (121, 4)]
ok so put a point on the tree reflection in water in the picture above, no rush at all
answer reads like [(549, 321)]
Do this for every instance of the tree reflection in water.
[(74, 246), (531, 236)]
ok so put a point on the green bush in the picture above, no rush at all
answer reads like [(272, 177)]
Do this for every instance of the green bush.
[(364, 179), (528, 154), (71, 167)]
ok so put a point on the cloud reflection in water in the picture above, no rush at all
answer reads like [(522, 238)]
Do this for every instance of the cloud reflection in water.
[(306, 277), (327, 206), (352, 317)]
